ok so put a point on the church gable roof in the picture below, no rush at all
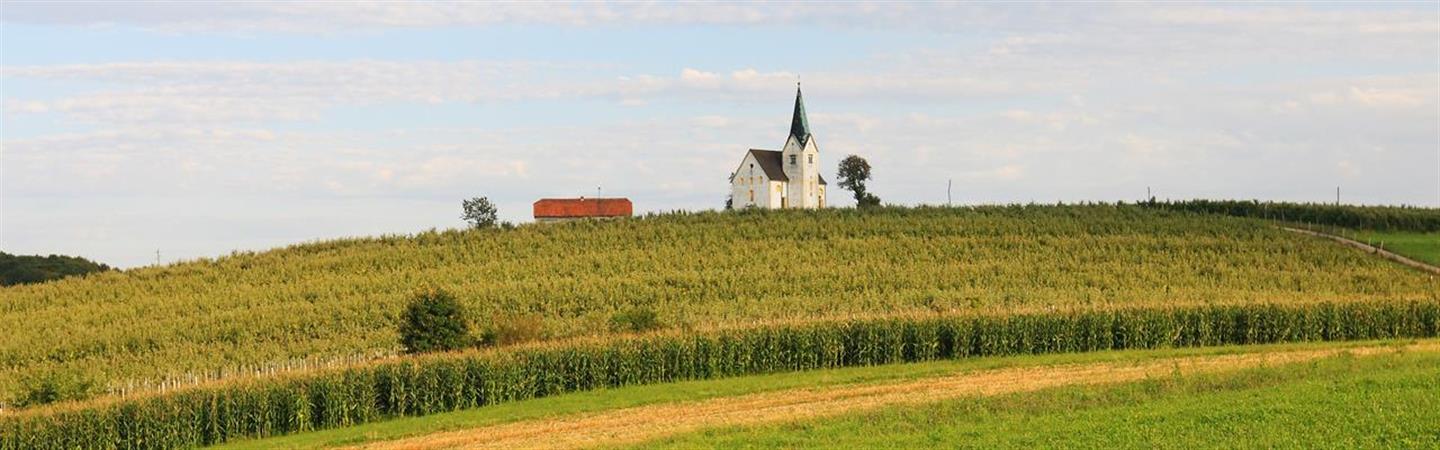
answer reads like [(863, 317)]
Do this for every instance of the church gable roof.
[(770, 162)]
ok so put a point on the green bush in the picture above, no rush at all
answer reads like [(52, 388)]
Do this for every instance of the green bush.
[(636, 319), (55, 387), (434, 322), (513, 330)]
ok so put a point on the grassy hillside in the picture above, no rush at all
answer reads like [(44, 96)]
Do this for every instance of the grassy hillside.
[(339, 299), (1333, 403)]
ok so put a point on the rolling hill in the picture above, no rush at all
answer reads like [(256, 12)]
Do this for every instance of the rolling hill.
[(336, 302)]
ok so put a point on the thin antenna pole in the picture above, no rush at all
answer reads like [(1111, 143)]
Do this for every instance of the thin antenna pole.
[(948, 184), (1337, 195)]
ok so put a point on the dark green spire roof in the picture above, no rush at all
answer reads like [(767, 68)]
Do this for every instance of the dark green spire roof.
[(799, 125)]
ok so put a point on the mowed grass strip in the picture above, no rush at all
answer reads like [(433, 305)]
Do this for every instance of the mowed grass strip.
[(1377, 401), (1423, 247), (548, 412)]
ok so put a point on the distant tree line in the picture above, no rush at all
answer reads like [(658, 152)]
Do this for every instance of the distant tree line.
[(1384, 218), (26, 269)]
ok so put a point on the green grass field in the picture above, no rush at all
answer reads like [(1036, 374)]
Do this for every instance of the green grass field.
[(307, 305), (1423, 247), (1315, 390), (1371, 402)]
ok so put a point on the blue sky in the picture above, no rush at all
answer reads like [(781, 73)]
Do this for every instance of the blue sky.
[(198, 129)]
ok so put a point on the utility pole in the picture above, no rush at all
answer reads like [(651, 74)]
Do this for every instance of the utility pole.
[(157, 257), (1337, 195), (948, 184)]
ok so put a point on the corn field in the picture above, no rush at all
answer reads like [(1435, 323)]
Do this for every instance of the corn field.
[(333, 303), (449, 382)]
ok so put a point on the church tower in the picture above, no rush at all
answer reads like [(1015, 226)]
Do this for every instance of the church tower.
[(800, 159)]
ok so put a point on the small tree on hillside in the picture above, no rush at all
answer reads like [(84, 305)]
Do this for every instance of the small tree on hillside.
[(479, 212), (55, 387), (433, 322), (854, 172)]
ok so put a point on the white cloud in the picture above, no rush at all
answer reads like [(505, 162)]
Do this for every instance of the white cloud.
[(1381, 97), (213, 92), (210, 93)]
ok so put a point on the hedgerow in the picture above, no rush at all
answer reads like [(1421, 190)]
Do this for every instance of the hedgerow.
[(427, 385), (1384, 218)]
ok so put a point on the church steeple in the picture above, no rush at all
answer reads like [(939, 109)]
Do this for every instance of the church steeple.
[(799, 125)]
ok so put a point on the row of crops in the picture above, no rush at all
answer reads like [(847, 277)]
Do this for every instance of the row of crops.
[(1384, 218), (138, 330), (448, 382)]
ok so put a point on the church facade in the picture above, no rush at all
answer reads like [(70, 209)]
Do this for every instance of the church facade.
[(787, 178)]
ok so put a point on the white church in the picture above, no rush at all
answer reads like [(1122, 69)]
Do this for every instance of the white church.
[(789, 178)]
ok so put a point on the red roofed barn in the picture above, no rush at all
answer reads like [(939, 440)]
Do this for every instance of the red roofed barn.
[(561, 209)]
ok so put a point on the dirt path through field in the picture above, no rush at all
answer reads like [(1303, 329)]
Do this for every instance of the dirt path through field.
[(649, 422), (1370, 249)]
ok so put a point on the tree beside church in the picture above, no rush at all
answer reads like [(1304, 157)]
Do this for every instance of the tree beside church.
[(788, 178)]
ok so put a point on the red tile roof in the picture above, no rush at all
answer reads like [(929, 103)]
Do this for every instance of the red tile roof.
[(554, 208)]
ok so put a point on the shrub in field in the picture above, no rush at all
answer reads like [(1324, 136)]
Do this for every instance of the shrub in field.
[(434, 321), (435, 383), (511, 330), (55, 387), (635, 319)]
